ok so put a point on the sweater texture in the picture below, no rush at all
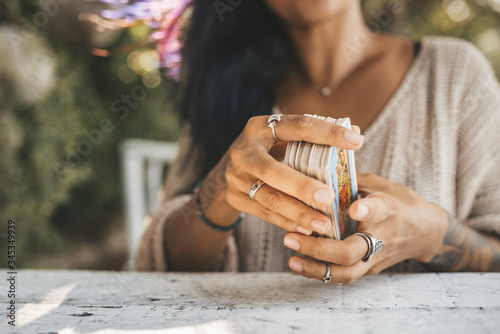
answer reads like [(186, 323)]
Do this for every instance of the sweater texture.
[(439, 134)]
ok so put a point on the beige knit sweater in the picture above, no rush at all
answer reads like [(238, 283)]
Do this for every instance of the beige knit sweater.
[(439, 135)]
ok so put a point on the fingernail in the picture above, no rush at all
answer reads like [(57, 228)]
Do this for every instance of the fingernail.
[(354, 138), (356, 129), (324, 196), (362, 211), (296, 266), (303, 230), (292, 243), (319, 226)]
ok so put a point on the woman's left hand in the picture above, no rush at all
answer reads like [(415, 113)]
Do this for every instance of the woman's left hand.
[(410, 227)]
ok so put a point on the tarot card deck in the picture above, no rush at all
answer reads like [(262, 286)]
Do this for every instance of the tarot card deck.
[(334, 167)]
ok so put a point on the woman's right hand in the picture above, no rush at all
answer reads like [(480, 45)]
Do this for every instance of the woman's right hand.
[(277, 201)]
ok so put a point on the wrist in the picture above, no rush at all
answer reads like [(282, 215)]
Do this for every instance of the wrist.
[(211, 201), (436, 235)]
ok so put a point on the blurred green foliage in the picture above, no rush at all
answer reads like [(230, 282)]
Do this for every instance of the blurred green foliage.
[(57, 196), (52, 93), (477, 21)]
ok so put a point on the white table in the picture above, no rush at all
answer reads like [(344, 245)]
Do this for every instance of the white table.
[(61, 301)]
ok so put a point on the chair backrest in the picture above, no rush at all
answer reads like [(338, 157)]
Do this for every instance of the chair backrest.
[(143, 166)]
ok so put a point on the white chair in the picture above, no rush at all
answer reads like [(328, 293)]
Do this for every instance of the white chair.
[(143, 164)]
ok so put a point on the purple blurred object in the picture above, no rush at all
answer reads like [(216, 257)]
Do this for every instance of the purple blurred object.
[(164, 18)]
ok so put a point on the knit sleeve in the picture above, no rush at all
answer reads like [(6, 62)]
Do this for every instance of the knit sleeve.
[(152, 252), (478, 147), (182, 177)]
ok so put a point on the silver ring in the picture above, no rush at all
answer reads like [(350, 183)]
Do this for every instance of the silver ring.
[(254, 189), (272, 123), (328, 276), (375, 245)]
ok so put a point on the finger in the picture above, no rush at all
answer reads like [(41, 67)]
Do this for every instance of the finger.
[(278, 151), (288, 180), (317, 270), (382, 265), (371, 182), (375, 208), (305, 128), (286, 206), (343, 252), (293, 209), (242, 202), (356, 129)]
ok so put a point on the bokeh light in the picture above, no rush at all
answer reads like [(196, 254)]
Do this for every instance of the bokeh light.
[(457, 10)]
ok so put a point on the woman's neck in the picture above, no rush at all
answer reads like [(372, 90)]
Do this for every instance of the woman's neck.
[(329, 50)]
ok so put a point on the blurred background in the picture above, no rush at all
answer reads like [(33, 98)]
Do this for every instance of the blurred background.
[(68, 199)]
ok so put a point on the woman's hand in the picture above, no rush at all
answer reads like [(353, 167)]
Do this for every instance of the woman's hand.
[(277, 201), (410, 227)]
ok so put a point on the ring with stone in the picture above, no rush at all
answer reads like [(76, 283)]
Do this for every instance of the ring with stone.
[(328, 277), (272, 121), (375, 245)]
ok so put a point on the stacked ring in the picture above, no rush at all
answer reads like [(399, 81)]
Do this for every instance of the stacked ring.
[(375, 245)]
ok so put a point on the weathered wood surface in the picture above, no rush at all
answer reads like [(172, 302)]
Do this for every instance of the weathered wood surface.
[(155, 303)]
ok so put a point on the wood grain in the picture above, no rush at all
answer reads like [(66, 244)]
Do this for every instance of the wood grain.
[(52, 301)]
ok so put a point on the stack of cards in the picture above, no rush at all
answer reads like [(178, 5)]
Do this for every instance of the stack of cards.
[(332, 166)]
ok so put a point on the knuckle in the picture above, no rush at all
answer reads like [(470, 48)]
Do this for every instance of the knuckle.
[(235, 155), (230, 174), (348, 256), (253, 123), (391, 185), (302, 187), (365, 175), (374, 271), (392, 237), (271, 200), (349, 279), (282, 222), (317, 251), (302, 217), (265, 213), (311, 251), (335, 130), (302, 122), (235, 172)]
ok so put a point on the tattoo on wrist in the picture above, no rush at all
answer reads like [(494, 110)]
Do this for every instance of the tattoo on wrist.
[(465, 249)]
